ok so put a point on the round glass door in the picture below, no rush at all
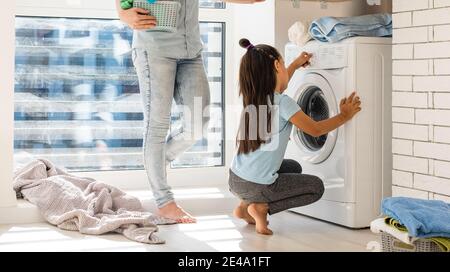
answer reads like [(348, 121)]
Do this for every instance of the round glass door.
[(314, 104), (317, 100)]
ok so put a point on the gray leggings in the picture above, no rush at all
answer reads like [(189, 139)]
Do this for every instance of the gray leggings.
[(291, 189)]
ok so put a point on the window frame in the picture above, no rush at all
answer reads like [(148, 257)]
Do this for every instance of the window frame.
[(7, 194), (137, 179)]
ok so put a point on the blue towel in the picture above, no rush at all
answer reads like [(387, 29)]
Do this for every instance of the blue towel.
[(422, 218), (332, 29)]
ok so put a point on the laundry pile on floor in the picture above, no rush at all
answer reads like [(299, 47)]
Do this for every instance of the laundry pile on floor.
[(334, 29), (85, 205), (410, 219)]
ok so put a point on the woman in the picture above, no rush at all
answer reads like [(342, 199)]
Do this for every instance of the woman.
[(169, 66)]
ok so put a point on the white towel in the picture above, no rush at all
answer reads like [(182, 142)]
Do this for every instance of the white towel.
[(379, 225), (299, 33), (85, 205)]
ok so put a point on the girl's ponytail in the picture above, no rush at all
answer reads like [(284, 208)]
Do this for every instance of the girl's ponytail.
[(257, 82)]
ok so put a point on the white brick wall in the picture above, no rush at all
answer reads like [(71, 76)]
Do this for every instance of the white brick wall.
[(408, 35), (441, 33), (402, 83), (442, 135), (410, 99), (441, 3), (403, 115), (403, 147), (431, 84), (405, 5), (442, 66), (421, 99), (410, 132)]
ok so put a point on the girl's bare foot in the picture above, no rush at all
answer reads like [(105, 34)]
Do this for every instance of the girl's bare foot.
[(242, 213), (259, 212), (175, 212)]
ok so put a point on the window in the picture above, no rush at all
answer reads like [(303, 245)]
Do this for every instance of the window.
[(77, 99)]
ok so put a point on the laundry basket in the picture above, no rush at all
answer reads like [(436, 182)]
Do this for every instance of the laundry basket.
[(391, 244), (166, 13)]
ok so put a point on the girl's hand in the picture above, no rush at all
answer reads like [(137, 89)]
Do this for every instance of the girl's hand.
[(303, 60), (137, 18), (350, 106)]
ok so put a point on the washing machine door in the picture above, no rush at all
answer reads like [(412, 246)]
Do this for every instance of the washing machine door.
[(317, 100)]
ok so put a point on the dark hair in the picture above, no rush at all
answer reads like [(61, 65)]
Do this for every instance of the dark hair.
[(257, 82)]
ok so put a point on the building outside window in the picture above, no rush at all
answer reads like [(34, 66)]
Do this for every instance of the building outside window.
[(77, 99)]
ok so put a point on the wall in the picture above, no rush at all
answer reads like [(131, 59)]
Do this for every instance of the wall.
[(7, 196), (421, 99), (255, 22)]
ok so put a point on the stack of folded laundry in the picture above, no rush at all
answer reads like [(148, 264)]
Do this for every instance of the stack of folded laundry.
[(333, 29), (410, 220)]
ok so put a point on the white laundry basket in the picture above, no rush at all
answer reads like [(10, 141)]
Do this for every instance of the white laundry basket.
[(391, 244), (166, 13)]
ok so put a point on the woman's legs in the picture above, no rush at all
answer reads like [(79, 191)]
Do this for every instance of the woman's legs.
[(156, 82), (161, 80), (192, 96)]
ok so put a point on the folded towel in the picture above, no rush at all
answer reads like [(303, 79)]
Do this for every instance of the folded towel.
[(442, 242), (422, 218), (332, 29), (379, 225), (299, 33)]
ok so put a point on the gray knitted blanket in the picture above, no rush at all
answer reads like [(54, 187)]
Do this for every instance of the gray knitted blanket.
[(85, 205)]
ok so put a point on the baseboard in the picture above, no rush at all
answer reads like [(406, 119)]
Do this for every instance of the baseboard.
[(197, 200), (23, 213)]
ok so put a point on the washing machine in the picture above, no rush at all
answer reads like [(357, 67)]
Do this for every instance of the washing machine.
[(354, 161)]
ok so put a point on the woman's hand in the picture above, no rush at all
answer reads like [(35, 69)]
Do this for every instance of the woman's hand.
[(350, 106), (137, 18), (303, 60)]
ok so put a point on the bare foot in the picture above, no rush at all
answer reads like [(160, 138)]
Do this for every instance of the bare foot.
[(175, 212), (259, 212), (242, 213)]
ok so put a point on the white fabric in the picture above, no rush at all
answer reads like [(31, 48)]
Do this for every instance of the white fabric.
[(379, 225), (85, 205), (299, 33)]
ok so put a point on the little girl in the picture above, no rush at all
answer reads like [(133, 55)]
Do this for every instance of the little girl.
[(259, 176)]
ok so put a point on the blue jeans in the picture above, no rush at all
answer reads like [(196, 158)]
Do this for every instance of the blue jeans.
[(162, 80)]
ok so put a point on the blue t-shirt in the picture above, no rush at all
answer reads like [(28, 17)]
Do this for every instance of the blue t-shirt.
[(262, 165), (185, 43)]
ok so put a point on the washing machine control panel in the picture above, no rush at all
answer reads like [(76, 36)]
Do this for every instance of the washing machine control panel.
[(325, 56), (329, 57)]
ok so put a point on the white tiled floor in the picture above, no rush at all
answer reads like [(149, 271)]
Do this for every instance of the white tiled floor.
[(212, 233)]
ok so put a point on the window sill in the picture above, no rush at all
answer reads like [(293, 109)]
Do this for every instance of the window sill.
[(197, 200)]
